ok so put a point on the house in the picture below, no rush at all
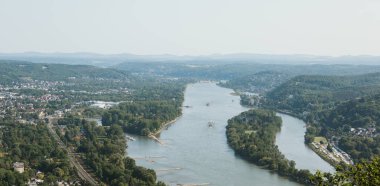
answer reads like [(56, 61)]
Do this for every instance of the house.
[(18, 167), (41, 115), (58, 113), (35, 182)]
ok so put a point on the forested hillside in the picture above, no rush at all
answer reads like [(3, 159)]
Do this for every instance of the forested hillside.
[(311, 93), (345, 109), (214, 70), (354, 123), (18, 70), (260, 82), (363, 112)]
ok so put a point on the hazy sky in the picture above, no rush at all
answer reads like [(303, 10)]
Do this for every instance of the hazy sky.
[(322, 27)]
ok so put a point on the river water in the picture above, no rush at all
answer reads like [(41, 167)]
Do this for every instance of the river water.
[(194, 153), (290, 142)]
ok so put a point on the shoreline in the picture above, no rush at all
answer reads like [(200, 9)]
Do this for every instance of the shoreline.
[(168, 147), (309, 145), (328, 160), (153, 135), (157, 132)]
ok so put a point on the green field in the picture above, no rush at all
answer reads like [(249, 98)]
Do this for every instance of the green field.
[(319, 139)]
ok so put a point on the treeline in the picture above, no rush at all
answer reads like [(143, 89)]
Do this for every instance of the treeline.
[(315, 93), (252, 135), (33, 146), (104, 152), (363, 112), (142, 117), (148, 111)]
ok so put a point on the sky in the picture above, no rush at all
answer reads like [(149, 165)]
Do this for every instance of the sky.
[(191, 27)]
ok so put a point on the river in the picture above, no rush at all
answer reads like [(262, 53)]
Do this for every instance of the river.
[(290, 142), (194, 153)]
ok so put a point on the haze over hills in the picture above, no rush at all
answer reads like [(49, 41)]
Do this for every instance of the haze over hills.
[(105, 60), (161, 93)]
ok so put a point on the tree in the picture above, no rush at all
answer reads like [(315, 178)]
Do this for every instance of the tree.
[(363, 173), (59, 172)]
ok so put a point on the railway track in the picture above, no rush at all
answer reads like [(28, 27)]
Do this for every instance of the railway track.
[(83, 174)]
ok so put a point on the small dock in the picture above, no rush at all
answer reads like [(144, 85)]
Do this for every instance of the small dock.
[(168, 169), (156, 139)]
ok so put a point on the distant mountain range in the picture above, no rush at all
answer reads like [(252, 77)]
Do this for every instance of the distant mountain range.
[(11, 70), (104, 60)]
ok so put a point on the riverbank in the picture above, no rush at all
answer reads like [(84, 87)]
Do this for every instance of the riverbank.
[(264, 152), (190, 144), (323, 155), (157, 132), (317, 151), (154, 134), (298, 116), (288, 113)]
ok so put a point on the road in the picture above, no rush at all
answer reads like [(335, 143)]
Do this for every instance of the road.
[(83, 174)]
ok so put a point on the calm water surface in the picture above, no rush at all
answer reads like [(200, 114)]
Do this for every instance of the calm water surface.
[(290, 141), (194, 153)]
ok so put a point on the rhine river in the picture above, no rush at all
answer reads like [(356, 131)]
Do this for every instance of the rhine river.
[(194, 153)]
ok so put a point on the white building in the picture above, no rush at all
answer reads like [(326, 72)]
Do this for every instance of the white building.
[(18, 167)]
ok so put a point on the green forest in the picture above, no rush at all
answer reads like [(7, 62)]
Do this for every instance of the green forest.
[(315, 93), (149, 110), (103, 149), (252, 135), (142, 117), (33, 146)]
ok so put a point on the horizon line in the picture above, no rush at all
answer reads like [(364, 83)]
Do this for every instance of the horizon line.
[(188, 55)]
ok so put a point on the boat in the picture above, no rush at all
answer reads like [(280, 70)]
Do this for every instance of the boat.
[(211, 124), (207, 104)]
